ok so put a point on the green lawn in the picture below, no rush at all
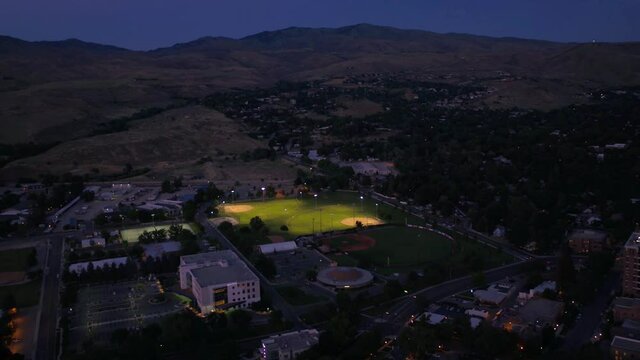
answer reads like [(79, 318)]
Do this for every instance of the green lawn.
[(131, 235), (400, 249), (302, 216), (401, 246), (14, 260), (25, 294), (296, 297)]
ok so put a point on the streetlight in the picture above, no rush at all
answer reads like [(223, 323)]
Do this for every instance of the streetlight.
[(232, 195), (315, 196), (262, 193), (361, 203), (153, 219), (377, 216)]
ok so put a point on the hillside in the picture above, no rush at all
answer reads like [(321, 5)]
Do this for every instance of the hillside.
[(63, 91)]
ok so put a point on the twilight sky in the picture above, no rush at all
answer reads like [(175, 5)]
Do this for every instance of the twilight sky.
[(146, 24)]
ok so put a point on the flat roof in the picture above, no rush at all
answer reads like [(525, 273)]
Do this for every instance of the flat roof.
[(625, 343), (633, 241), (218, 267), (626, 302), (294, 341), (590, 234), (541, 309)]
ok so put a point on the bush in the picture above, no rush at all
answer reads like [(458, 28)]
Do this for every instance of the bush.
[(284, 228)]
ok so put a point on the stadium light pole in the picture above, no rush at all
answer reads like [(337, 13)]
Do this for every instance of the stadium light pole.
[(263, 193), (361, 203), (315, 196), (232, 195)]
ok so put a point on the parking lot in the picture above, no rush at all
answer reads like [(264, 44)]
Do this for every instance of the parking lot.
[(104, 308), (293, 265)]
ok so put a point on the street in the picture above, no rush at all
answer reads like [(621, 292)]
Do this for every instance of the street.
[(47, 338), (584, 328)]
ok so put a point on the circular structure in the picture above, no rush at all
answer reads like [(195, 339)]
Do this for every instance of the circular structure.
[(365, 221), (344, 277)]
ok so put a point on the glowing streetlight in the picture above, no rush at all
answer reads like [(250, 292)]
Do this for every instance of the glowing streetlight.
[(232, 195), (263, 193), (378, 216), (315, 196), (361, 203)]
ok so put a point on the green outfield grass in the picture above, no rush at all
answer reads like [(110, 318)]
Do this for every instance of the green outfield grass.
[(399, 249), (131, 235), (14, 259), (302, 216)]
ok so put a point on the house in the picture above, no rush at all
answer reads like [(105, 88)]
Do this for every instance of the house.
[(94, 241), (626, 308), (536, 291), (541, 312), (219, 280), (289, 345), (584, 241), (625, 348)]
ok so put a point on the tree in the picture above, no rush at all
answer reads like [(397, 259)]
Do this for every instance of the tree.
[(256, 223), (32, 260), (167, 186), (479, 280), (189, 209), (88, 196), (266, 266)]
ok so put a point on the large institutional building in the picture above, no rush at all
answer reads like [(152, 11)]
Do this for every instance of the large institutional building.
[(631, 271), (219, 280)]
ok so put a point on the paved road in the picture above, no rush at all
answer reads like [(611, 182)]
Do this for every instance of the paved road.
[(401, 311), (276, 300), (585, 327), (47, 339)]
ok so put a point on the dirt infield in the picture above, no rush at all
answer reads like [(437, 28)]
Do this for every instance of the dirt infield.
[(276, 238), (237, 208), (366, 221), (362, 242), (12, 277)]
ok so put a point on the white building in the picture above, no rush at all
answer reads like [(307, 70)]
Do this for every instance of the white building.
[(98, 264), (219, 280), (278, 247), (94, 241), (289, 345)]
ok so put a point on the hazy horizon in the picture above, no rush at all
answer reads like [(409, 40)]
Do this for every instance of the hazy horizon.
[(145, 25)]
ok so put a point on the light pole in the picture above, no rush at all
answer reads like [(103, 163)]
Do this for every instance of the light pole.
[(315, 197), (361, 203), (232, 195), (263, 193), (377, 216), (153, 219)]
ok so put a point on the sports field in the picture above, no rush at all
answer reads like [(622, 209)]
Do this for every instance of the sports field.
[(308, 215), (400, 248), (131, 235)]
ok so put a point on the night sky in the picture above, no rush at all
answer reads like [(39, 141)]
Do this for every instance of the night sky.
[(146, 24)]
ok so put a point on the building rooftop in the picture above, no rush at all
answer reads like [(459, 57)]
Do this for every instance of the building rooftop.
[(156, 250), (626, 302), (541, 309), (590, 234), (634, 241), (293, 341), (218, 267), (625, 343)]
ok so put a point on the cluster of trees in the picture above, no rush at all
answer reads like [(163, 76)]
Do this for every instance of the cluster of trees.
[(340, 340), (171, 186), (246, 238), (332, 176), (168, 263)]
